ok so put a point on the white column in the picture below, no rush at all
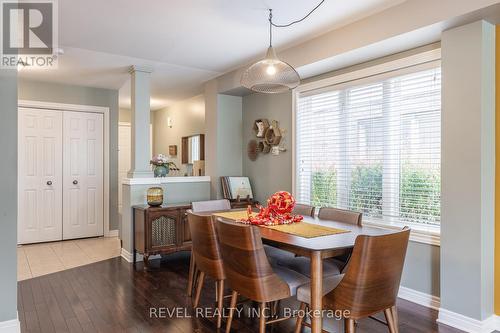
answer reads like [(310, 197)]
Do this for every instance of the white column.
[(140, 91), (468, 175)]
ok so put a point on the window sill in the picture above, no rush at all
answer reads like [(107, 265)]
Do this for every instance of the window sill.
[(420, 234)]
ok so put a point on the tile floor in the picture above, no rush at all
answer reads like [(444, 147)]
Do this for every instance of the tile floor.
[(45, 258)]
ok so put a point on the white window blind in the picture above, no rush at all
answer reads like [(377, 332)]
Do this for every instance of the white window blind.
[(373, 147)]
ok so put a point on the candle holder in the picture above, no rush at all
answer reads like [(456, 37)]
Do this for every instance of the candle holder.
[(155, 196)]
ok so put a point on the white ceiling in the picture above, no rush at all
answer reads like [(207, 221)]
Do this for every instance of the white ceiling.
[(187, 42)]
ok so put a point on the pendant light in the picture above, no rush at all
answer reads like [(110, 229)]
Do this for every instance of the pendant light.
[(271, 75)]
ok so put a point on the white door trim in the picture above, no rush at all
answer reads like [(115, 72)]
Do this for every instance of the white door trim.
[(83, 108)]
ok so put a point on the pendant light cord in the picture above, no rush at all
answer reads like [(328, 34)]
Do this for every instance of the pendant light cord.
[(270, 28), (272, 24), (294, 22)]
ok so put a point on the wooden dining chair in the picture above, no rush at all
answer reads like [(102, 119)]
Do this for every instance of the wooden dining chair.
[(331, 267), (370, 283), (197, 207), (305, 210), (206, 254), (210, 205), (340, 215), (286, 258), (249, 273), (344, 216)]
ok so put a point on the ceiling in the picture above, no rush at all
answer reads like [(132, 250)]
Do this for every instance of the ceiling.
[(187, 42)]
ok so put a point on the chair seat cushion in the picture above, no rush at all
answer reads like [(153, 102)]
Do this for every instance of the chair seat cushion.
[(275, 255), (329, 283), (302, 265), (292, 278)]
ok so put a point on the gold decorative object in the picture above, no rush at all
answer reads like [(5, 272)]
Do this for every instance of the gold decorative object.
[(273, 134), (155, 196), (260, 127), (264, 147)]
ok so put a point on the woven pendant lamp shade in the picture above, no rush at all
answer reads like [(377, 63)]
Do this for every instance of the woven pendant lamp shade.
[(270, 75)]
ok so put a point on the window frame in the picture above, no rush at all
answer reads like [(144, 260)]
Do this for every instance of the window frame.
[(426, 234)]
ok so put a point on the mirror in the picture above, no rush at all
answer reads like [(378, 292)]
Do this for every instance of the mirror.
[(193, 148)]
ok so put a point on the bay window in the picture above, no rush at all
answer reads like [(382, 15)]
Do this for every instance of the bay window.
[(373, 145)]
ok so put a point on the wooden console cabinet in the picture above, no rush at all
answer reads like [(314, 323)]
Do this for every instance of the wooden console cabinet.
[(160, 230)]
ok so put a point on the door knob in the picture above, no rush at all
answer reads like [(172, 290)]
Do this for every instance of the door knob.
[(49, 182), (75, 182)]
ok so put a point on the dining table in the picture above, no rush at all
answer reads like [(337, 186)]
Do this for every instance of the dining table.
[(319, 249)]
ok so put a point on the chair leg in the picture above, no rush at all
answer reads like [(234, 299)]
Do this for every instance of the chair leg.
[(234, 298), (262, 318), (220, 301), (300, 319), (391, 322), (394, 312), (349, 325), (201, 279), (191, 275), (275, 309)]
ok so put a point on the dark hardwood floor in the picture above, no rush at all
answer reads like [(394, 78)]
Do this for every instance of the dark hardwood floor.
[(112, 296)]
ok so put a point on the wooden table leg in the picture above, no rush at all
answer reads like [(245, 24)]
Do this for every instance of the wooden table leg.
[(316, 292)]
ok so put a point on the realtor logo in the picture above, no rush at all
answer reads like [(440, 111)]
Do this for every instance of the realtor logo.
[(29, 33)]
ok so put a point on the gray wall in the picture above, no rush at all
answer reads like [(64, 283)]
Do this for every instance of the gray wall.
[(60, 93), (468, 162), (269, 174), (8, 194), (422, 268), (223, 136), (229, 127)]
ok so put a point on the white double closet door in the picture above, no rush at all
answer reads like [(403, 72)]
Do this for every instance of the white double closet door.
[(60, 175)]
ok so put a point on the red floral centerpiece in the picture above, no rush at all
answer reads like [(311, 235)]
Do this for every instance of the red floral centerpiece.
[(281, 203), (278, 211)]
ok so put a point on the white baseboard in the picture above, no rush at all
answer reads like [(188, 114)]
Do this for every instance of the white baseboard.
[(126, 255), (468, 324), (112, 233), (10, 326), (496, 323), (130, 258), (420, 298)]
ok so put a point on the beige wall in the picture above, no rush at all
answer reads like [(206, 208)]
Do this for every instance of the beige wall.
[(188, 118), (125, 116)]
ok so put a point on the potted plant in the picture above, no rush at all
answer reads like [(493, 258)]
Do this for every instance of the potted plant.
[(162, 166)]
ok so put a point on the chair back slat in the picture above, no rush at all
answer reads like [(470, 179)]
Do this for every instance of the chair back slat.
[(246, 265), (205, 246), (340, 215), (210, 205), (372, 278)]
